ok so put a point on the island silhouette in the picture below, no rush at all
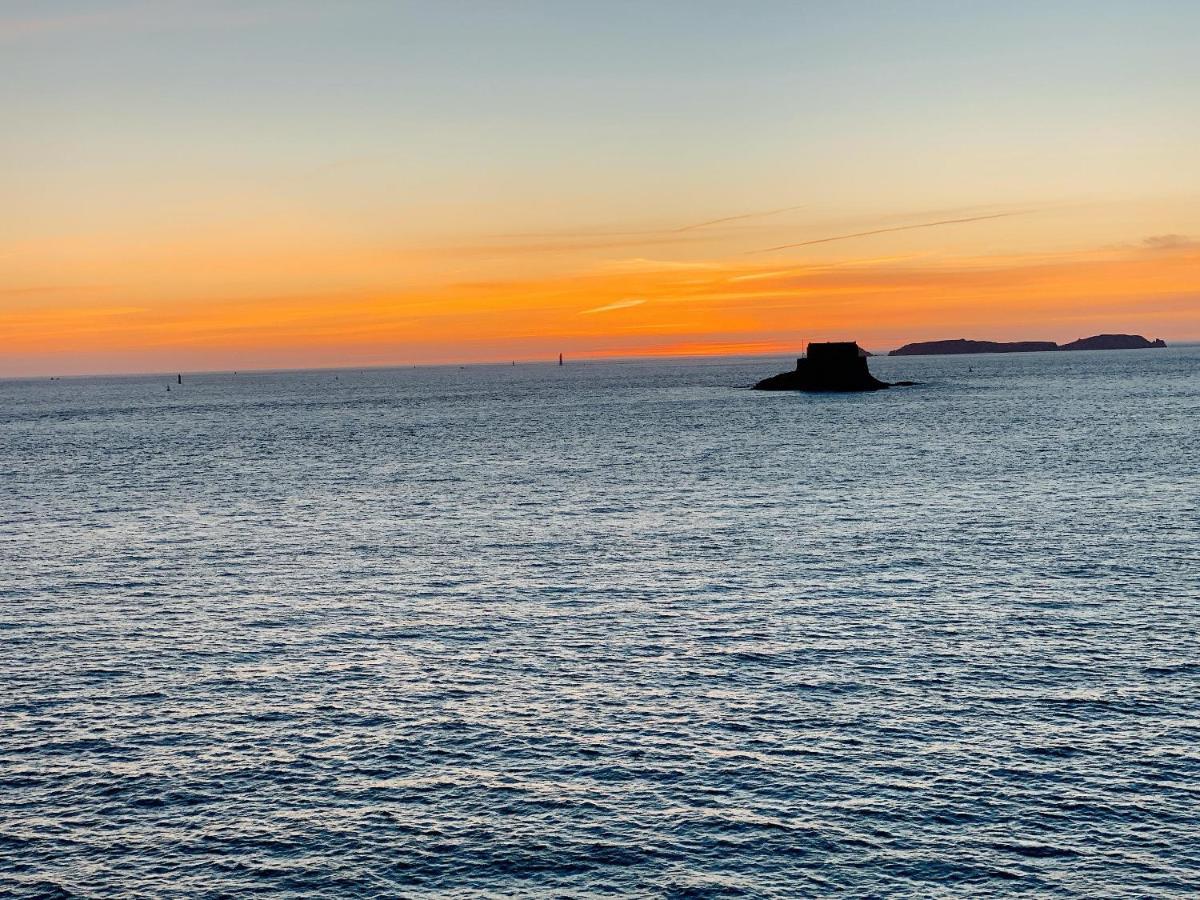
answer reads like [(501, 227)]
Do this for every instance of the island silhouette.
[(962, 345)]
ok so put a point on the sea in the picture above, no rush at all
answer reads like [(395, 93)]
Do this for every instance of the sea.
[(610, 629)]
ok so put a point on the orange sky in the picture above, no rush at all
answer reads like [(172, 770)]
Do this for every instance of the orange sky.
[(749, 303), (218, 185)]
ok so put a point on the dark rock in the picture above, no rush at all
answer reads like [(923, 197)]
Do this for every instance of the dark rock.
[(1114, 342), (961, 345), (828, 367)]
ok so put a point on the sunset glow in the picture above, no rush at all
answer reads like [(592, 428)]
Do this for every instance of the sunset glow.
[(377, 207)]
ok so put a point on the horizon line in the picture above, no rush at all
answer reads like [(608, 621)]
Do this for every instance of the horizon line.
[(551, 360)]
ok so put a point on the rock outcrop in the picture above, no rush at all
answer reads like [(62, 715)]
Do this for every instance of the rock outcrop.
[(837, 367)]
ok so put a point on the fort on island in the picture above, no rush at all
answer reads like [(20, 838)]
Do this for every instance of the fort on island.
[(830, 367)]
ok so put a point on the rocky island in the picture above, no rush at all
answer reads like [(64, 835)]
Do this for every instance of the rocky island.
[(1114, 342), (832, 367), (961, 345)]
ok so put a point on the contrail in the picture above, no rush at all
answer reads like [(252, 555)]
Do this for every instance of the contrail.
[(846, 237), (753, 215), (656, 231)]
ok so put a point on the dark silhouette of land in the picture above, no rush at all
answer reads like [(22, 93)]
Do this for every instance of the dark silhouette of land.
[(840, 367), (961, 345), (1114, 342)]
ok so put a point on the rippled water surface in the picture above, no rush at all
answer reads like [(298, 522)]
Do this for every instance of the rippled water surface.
[(609, 629)]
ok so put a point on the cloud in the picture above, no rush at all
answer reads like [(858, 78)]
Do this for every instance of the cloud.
[(1169, 242), (883, 302), (642, 264), (857, 234), (564, 244), (620, 304)]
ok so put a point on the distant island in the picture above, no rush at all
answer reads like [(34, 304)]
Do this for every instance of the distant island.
[(1114, 342), (961, 345)]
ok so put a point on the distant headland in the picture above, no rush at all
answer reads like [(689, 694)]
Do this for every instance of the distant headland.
[(961, 345)]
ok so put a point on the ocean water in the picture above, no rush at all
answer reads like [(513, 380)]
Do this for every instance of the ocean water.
[(614, 629)]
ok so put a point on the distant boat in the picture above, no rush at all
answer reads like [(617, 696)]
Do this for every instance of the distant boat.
[(560, 359)]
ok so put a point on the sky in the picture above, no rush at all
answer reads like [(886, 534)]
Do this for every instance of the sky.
[(214, 185)]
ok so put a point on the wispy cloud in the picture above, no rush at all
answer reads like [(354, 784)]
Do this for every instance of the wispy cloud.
[(742, 302), (576, 243), (858, 234), (1169, 242), (620, 304)]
